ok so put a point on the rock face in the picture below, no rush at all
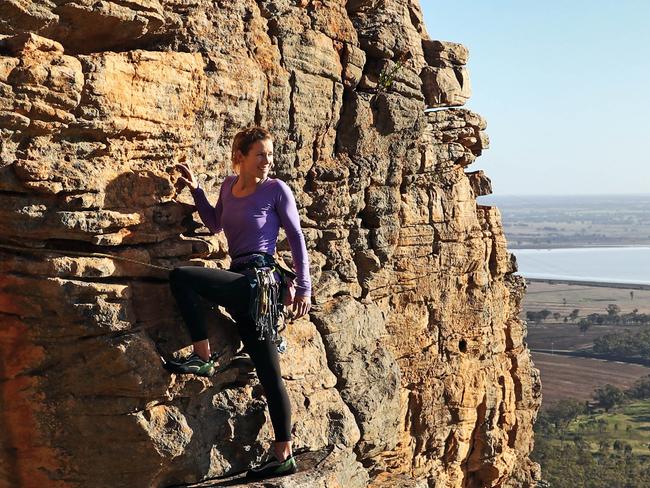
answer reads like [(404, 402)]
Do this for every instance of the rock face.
[(411, 370)]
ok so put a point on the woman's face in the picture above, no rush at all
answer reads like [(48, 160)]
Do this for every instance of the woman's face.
[(258, 161)]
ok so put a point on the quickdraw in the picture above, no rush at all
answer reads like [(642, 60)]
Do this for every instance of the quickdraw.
[(266, 306)]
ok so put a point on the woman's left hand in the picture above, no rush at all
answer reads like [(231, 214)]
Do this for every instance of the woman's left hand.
[(301, 306)]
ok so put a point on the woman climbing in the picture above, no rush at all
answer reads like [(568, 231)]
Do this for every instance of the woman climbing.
[(250, 209)]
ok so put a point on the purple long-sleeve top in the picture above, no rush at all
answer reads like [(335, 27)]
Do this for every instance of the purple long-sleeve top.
[(252, 223)]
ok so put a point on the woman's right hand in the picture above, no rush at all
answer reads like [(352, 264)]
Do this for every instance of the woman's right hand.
[(187, 177)]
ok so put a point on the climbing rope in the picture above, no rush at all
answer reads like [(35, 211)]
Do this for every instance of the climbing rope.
[(81, 253), (266, 310)]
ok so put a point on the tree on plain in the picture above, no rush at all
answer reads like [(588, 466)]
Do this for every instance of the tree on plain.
[(584, 326), (609, 396), (613, 310)]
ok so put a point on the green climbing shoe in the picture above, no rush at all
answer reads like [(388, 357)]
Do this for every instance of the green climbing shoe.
[(273, 467), (192, 364)]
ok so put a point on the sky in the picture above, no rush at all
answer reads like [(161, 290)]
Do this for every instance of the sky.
[(564, 86)]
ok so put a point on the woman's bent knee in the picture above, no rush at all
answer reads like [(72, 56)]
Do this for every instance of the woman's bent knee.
[(177, 275)]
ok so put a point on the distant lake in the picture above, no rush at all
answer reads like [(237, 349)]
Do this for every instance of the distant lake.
[(607, 264)]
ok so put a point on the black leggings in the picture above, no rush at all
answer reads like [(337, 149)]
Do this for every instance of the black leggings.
[(232, 290)]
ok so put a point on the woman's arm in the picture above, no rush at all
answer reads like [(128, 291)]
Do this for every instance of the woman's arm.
[(211, 216), (290, 220)]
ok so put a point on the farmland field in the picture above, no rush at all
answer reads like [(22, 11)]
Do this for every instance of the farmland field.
[(573, 377), (563, 337), (588, 299)]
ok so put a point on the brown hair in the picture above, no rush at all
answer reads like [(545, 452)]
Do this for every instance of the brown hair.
[(245, 138)]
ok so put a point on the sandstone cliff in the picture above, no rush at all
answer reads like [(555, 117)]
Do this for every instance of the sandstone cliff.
[(411, 370)]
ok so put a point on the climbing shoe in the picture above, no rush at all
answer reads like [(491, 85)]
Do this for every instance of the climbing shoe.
[(192, 364), (273, 467)]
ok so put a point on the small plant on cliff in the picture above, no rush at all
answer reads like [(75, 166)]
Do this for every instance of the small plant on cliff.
[(387, 76)]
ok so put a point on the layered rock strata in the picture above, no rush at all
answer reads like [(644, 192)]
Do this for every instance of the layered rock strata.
[(411, 369)]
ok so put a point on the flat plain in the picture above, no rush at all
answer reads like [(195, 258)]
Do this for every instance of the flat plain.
[(574, 221), (589, 299), (572, 377), (576, 377), (628, 423)]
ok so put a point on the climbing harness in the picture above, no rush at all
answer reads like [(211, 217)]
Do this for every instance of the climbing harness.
[(267, 294)]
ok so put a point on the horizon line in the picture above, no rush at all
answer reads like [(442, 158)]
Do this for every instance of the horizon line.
[(566, 195)]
